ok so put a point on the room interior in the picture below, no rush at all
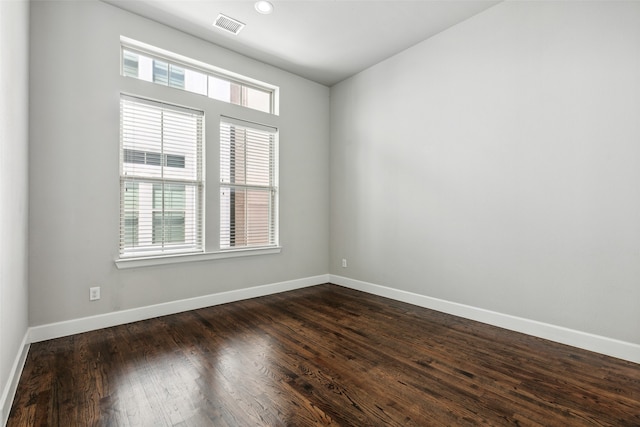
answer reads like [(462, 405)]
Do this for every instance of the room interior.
[(486, 170)]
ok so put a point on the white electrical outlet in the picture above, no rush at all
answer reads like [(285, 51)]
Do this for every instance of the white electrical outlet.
[(344, 263), (94, 293)]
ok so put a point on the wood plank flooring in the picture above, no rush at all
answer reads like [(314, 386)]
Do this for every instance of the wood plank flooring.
[(324, 355)]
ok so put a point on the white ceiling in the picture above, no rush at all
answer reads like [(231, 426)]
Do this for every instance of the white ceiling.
[(322, 40)]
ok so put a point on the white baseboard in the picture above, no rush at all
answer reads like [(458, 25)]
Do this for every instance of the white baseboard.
[(85, 324), (9, 392), (608, 346), (596, 343)]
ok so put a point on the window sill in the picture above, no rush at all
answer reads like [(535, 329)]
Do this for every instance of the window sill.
[(124, 263)]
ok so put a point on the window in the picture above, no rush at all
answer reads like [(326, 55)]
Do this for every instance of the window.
[(145, 66), (163, 211), (248, 185), (161, 178)]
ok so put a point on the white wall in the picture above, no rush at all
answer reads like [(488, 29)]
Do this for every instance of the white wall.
[(14, 77), (497, 165), (75, 89)]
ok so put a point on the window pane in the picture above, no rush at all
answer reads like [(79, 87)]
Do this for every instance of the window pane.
[(130, 64), (219, 89), (160, 72), (236, 94), (176, 76), (145, 68), (195, 82), (257, 99)]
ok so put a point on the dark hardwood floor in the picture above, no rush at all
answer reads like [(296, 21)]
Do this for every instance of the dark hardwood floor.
[(324, 355)]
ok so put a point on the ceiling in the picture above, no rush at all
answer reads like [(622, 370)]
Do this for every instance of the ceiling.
[(323, 40)]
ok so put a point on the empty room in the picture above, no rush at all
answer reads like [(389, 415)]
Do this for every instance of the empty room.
[(296, 213)]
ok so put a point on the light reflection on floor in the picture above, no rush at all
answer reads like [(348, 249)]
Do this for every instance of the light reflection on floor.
[(196, 386)]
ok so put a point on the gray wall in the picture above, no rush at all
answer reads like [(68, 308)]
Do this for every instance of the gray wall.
[(497, 165), (75, 89), (14, 127)]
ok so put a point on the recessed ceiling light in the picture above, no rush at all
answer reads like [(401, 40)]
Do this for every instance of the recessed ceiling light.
[(264, 7)]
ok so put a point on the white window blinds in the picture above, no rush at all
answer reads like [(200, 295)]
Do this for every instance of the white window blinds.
[(248, 185), (161, 178)]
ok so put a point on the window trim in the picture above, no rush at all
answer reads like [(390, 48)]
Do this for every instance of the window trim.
[(148, 261)]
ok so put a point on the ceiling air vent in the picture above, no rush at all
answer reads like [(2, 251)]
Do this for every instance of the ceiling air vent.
[(228, 24)]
